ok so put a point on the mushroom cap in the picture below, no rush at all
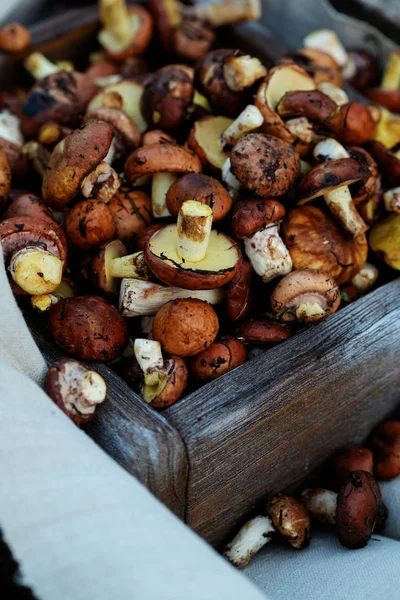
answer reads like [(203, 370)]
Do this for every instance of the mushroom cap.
[(141, 37), (193, 39), (185, 327), (209, 80), (14, 38), (131, 210), (384, 240), (156, 136), (264, 164), (202, 188), (328, 176), (352, 123), (358, 507), (88, 328), (291, 520), (123, 124), (262, 331), (89, 223), (217, 268), (320, 65), (353, 459), (161, 158), (305, 286), (72, 160), (5, 178), (222, 356), (390, 99), (167, 97), (176, 373), (249, 216), (315, 241), (367, 68), (385, 157), (145, 235), (238, 293), (367, 187), (315, 105), (101, 275), (385, 442), (205, 140), (29, 205), (128, 94), (167, 16)]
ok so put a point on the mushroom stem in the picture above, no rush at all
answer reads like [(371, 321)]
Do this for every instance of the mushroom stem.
[(193, 230), (267, 253), (149, 356), (391, 76), (117, 23), (391, 199), (253, 536), (39, 66), (228, 177), (248, 120), (308, 311), (131, 266), (142, 298), (341, 205), (241, 72), (36, 271), (321, 504), (227, 12), (160, 185), (365, 278)]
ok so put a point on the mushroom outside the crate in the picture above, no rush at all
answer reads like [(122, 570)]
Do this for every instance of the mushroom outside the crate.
[(385, 443)]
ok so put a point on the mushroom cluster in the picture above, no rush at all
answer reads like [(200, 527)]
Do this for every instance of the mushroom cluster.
[(351, 502), (178, 214)]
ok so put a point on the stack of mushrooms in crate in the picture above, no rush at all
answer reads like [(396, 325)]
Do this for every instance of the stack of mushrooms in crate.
[(224, 203)]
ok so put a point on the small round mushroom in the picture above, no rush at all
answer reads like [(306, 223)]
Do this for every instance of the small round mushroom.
[(75, 389), (126, 30), (291, 520), (205, 140), (167, 97), (185, 327), (315, 241), (385, 443), (131, 210), (88, 328), (5, 178), (264, 165), (352, 124), (89, 223), (305, 295), (193, 38), (202, 188), (238, 293), (358, 508), (262, 331), (222, 356), (161, 158), (253, 536), (384, 240), (353, 459), (320, 504), (14, 38)]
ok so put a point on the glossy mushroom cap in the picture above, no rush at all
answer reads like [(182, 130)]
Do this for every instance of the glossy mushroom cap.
[(202, 188), (89, 223), (161, 158), (328, 176), (218, 359), (249, 216)]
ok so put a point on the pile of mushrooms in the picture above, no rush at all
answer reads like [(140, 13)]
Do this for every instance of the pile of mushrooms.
[(351, 503), (175, 217)]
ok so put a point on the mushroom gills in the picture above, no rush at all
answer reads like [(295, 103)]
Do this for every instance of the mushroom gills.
[(267, 253), (36, 271), (160, 184)]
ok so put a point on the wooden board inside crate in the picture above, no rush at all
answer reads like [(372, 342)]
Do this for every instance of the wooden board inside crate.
[(262, 428)]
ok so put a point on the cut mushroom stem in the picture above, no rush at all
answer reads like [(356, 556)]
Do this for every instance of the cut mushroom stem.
[(391, 76), (339, 200), (241, 72), (149, 356), (39, 66), (321, 504), (36, 271), (365, 278), (143, 298), (248, 120), (160, 184), (43, 302), (119, 26), (227, 12), (253, 536), (193, 230), (102, 183), (391, 200), (268, 255), (131, 266)]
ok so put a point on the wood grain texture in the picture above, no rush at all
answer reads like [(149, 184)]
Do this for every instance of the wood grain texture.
[(269, 423), (136, 436)]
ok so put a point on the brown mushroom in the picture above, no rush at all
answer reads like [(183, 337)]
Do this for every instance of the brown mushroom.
[(264, 165), (249, 216), (126, 30), (185, 327), (203, 189), (29, 205), (315, 105), (88, 328), (89, 223), (366, 68), (291, 520), (386, 158), (161, 158), (73, 160), (205, 140), (101, 68), (238, 293), (352, 124), (14, 38), (358, 508), (305, 295), (262, 331), (193, 38), (320, 65), (5, 178), (167, 17), (385, 443), (222, 356), (127, 132), (167, 97), (102, 274), (75, 389), (156, 136), (131, 210), (314, 241), (353, 459), (367, 187)]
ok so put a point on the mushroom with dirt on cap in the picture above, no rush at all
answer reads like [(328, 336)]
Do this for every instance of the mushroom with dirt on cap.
[(220, 358)]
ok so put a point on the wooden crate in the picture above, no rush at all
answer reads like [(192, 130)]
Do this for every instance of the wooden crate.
[(264, 427)]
